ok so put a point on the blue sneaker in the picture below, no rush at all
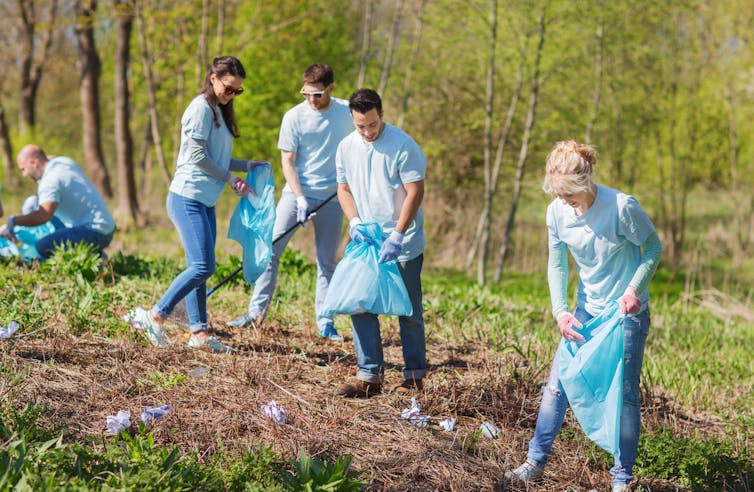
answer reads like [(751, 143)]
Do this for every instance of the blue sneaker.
[(330, 332)]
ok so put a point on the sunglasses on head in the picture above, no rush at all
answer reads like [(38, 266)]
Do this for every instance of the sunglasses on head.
[(315, 95), (230, 90)]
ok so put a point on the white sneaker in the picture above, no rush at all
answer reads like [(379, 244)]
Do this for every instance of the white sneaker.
[(212, 343), (142, 320), (621, 487), (526, 472)]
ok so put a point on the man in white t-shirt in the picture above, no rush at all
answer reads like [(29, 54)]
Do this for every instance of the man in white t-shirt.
[(380, 173), (66, 194), (309, 136)]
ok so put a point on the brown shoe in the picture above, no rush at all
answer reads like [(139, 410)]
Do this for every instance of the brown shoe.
[(359, 389), (409, 386)]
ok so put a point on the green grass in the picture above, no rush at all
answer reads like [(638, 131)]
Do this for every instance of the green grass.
[(704, 363)]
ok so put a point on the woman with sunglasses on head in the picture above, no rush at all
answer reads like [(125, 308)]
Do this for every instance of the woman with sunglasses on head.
[(203, 168), (616, 249)]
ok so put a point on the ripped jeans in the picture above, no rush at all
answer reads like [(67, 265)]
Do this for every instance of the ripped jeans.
[(554, 402)]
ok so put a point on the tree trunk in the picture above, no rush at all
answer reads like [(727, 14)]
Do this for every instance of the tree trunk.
[(489, 101), (6, 152), (201, 54), (220, 26), (90, 69), (128, 206), (32, 62), (597, 94), (366, 39), (412, 62), (530, 119), (151, 99), (392, 41), (502, 140)]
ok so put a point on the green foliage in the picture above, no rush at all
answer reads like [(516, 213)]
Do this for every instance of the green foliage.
[(79, 261), (311, 474), (295, 263), (162, 381), (144, 267), (33, 457), (257, 470), (225, 269), (700, 464)]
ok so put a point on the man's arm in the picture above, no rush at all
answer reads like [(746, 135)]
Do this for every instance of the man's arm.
[(346, 201), (40, 216), (1, 208), (414, 197), (289, 171)]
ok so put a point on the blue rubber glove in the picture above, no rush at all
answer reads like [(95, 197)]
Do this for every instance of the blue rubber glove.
[(392, 247), (355, 233), (302, 209)]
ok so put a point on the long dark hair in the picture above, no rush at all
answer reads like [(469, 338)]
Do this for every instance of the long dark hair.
[(222, 66)]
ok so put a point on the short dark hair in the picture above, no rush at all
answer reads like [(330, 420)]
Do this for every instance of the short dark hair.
[(364, 100), (318, 73)]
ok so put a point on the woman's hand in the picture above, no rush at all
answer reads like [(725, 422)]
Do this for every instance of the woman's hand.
[(566, 323), (253, 164), (630, 303), (241, 187)]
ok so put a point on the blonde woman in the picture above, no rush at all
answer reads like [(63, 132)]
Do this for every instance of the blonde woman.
[(616, 249)]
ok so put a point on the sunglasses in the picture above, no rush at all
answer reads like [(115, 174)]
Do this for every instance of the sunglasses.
[(315, 95), (230, 90)]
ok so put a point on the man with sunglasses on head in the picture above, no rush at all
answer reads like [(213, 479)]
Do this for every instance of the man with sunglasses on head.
[(309, 137)]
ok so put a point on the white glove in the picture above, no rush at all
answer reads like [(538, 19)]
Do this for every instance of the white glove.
[(302, 209)]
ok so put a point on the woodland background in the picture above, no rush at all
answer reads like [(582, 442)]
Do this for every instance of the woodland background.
[(663, 90)]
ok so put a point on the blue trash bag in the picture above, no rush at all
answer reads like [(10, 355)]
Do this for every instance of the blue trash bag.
[(252, 221), (361, 284), (592, 375), (7, 248), (28, 236)]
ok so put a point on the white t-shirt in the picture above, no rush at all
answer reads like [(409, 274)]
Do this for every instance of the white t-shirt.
[(605, 242), (79, 203), (198, 123), (314, 137), (375, 172)]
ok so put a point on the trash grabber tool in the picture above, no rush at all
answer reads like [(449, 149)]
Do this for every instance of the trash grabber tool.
[(288, 231)]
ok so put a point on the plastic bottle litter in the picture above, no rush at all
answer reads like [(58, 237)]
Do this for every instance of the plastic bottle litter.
[(413, 415), (200, 372), (489, 430), (118, 423), (274, 411), (151, 414), (448, 424), (5, 333)]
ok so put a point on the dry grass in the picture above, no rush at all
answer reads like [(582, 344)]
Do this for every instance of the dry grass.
[(81, 380)]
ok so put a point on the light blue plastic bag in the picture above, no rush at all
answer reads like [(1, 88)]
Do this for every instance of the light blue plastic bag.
[(252, 221), (361, 284), (28, 237), (592, 375)]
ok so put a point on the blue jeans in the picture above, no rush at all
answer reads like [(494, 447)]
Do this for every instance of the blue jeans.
[(327, 228), (74, 235), (554, 401), (368, 342), (197, 227)]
